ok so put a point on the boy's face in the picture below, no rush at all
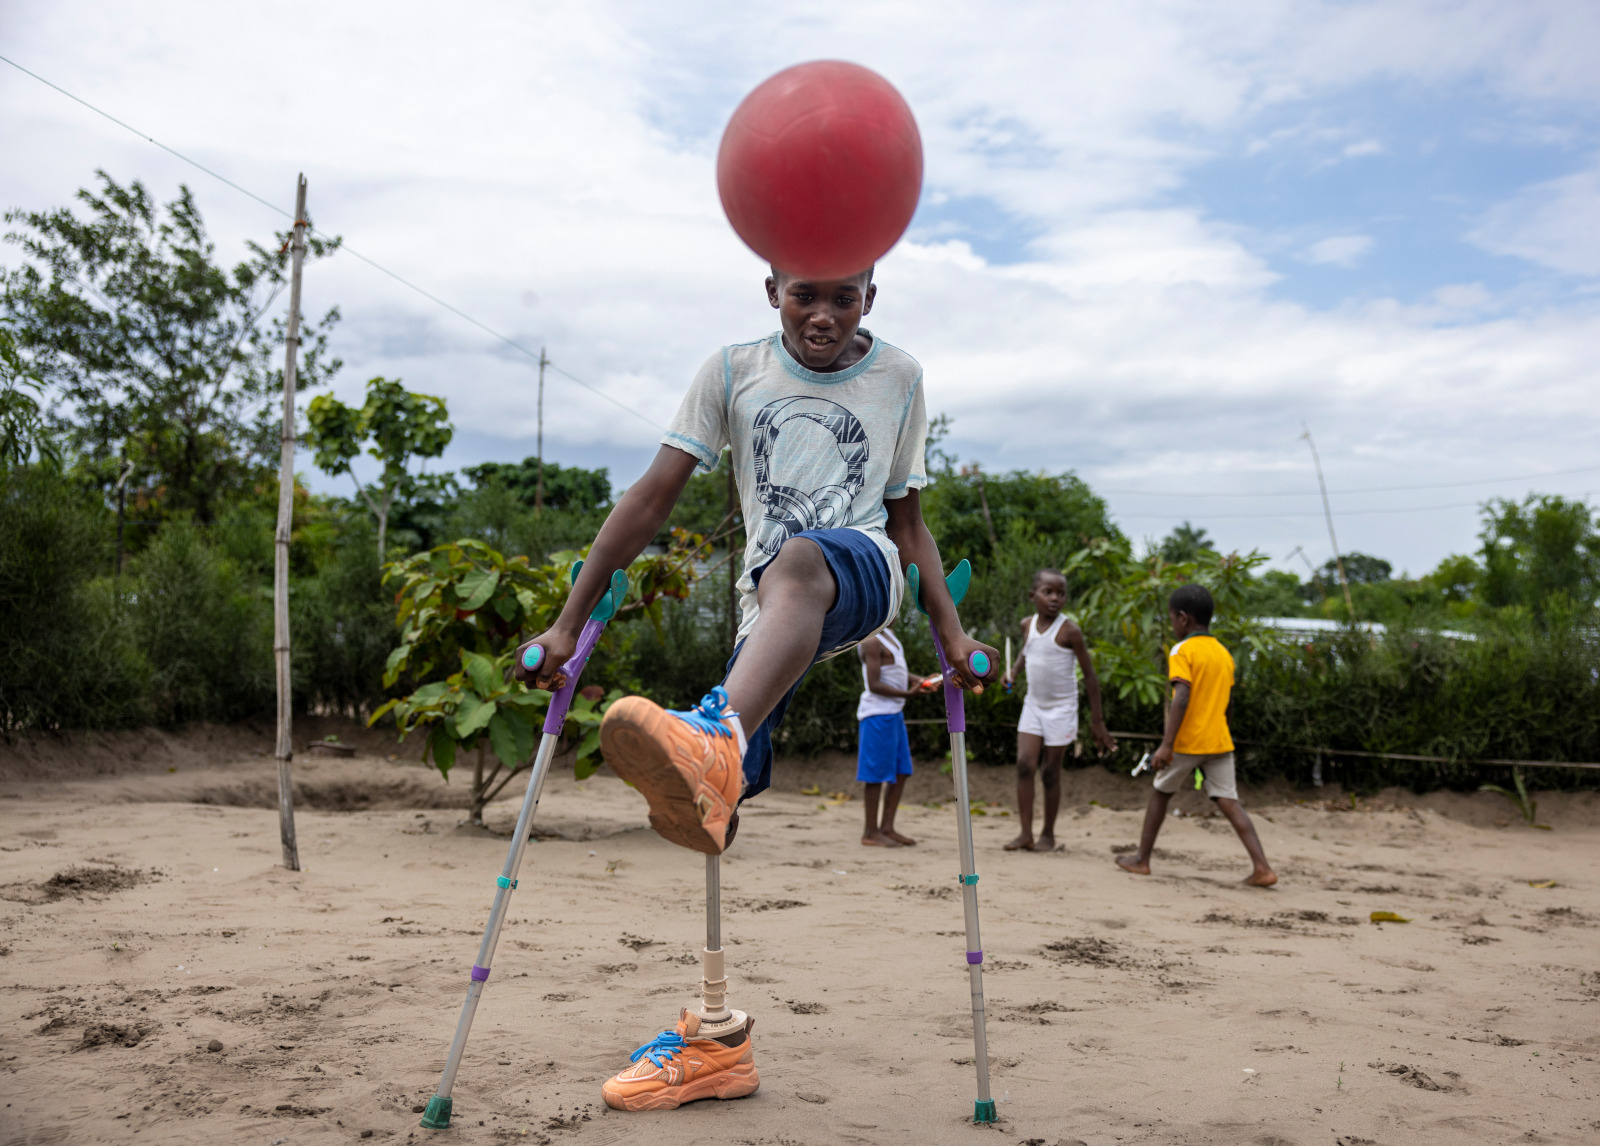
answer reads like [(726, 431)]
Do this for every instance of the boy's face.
[(1049, 595), (1182, 623), (820, 318)]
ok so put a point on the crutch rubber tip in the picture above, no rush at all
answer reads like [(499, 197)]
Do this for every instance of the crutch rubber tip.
[(532, 657), (437, 1116), (982, 1111)]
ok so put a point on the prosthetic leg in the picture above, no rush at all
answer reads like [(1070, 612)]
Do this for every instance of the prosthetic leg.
[(716, 1017), (437, 1115), (956, 721)]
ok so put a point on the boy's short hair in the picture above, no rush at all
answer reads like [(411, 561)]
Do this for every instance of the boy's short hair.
[(1046, 572), (1194, 600), (777, 275)]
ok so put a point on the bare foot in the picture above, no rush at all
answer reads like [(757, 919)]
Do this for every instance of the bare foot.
[(903, 841), (1023, 843), (1045, 843), (877, 840), (1266, 877), (1133, 864)]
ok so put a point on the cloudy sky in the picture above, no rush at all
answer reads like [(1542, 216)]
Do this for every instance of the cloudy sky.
[(1155, 238)]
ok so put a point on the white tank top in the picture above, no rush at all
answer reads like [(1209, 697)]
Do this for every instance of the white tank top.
[(894, 674), (1052, 670)]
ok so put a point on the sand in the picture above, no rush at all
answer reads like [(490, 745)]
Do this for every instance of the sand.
[(165, 981)]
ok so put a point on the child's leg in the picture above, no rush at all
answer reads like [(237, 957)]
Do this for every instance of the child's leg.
[(795, 592), (1050, 773), (1154, 815), (1263, 875), (891, 804), (871, 834), (1029, 745)]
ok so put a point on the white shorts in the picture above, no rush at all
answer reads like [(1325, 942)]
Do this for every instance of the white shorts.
[(1217, 769), (1058, 726)]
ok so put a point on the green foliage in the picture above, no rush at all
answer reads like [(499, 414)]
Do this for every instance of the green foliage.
[(565, 487), (1519, 797), (395, 425), (1541, 555), (22, 429), (65, 661), (462, 608), (1059, 507), (150, 345), (1359, 569), (1185, 543), (203, 629)]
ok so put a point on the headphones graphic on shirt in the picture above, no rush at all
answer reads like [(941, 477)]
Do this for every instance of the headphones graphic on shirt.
[(791, 510)]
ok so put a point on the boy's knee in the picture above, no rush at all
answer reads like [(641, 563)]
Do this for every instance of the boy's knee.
[(1050, 773), (1026, 769), (798, 565)]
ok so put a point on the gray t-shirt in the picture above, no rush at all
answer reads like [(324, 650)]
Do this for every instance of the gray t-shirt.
[(810, 451)]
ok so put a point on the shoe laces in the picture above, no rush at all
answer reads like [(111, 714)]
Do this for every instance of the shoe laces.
[(658, 1050), (711, 714)]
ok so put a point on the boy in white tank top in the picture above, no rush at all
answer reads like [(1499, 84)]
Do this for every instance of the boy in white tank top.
[(1053, 649)]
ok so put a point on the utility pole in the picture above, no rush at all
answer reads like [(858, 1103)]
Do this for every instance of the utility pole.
[(538, 492), (1327, 512), (280, 564)]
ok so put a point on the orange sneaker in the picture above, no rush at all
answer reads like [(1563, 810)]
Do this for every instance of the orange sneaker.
[(687, 764), (675, 1067)]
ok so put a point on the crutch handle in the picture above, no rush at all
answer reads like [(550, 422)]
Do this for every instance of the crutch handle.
[(532, 657)]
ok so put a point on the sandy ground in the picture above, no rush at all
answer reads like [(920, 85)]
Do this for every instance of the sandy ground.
[(165, 981)]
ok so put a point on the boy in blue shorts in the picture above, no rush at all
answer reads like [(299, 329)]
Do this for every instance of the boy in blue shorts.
[(827, 425), (883, 752)]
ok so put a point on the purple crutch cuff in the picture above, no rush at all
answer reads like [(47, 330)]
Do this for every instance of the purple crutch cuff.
[(974, 957), (479, 974)]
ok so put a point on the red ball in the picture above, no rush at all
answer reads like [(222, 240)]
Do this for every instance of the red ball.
[(820, 169)]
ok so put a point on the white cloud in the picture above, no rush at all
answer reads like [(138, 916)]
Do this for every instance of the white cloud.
[(1363, 148), (1339, 250), (563, 153), (1555, 224)]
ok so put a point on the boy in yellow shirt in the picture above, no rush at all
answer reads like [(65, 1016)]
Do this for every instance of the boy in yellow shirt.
[(1197, 735)]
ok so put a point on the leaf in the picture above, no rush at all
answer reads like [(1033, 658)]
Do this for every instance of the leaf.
[(1388, 917), (443, 748), (383, 708), (485, 676), (587, 762), (504, 741), (472, 715), (476, 587)]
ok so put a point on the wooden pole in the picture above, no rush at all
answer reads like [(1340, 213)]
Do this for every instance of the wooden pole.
[(280, 567), (538, 492), (1327, 512)]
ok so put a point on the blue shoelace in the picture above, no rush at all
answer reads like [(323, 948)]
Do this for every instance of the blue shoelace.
[(710, 714), (659, 1049)]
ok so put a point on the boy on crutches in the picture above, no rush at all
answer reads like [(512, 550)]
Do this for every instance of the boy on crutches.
[(827, 425)]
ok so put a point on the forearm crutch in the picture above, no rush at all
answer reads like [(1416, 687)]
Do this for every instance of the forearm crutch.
[(437, 1115), (956, 720)]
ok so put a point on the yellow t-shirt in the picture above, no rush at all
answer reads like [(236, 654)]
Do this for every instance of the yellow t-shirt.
[(1208, 667)]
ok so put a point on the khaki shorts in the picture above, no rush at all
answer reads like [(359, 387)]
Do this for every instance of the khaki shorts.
[(1217, 768)]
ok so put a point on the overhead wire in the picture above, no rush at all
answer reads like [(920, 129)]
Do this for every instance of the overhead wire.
[(1344, 492), (371, 262)]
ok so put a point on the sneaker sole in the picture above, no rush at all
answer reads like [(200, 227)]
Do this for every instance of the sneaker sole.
[(632, 743), (735, 1082)]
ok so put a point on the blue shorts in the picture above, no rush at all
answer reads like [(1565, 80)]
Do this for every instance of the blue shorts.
[(865, 594), (885, 753)]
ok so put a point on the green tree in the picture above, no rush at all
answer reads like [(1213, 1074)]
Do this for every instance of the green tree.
[(1359, 569), (396, 426), (1185, 543), (148, 344), (22, 429), (1542, 554), (565, 487)]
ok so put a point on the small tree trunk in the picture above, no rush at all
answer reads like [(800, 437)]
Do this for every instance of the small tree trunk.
[(477, 788)]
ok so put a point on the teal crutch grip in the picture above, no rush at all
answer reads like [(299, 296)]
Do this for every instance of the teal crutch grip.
[(978, 662), (532, 657)]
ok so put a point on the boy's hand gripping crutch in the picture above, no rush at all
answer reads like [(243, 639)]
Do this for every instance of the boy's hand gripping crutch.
[(437, 1116), (956, 719)]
